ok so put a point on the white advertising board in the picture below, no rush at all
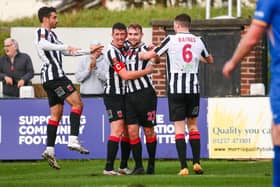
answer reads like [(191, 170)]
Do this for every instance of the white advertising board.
[(239, 128)]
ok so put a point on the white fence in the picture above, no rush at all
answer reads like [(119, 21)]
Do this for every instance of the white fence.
[(238, 8)]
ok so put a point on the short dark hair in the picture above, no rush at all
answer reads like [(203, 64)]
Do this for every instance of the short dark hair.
[(135, 26), (45, 12), (119, 26), (183, 19)]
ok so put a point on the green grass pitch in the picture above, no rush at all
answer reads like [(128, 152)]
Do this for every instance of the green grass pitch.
[(88, 173)]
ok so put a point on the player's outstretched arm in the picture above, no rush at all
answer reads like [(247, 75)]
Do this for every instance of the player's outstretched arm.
[(73, 51), (147, 55), (120, 68), (248, 41), (207, 60), (132, 75), (48, 46)]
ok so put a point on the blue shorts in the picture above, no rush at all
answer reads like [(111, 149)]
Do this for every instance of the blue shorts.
[(275, 102)]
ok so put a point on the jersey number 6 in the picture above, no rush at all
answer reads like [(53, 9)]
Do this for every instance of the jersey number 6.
[(186, 53)]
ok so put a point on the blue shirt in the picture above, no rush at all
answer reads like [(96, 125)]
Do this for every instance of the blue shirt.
[(267, 14)]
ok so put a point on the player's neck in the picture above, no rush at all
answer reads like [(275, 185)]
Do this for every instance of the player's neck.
[(46, 26), (136, 44), (182, 30)]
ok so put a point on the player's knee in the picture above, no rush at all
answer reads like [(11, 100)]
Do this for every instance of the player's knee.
[(133, 134), (81, 105), (78, 105), (149, 132), (117, 132), (56, 115)]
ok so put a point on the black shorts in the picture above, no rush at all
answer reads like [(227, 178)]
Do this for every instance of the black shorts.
[(57, 90), (182, 106), (115, 106), (141, 107)]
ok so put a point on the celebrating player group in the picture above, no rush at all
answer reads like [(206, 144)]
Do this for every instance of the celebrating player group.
[(128, 68)]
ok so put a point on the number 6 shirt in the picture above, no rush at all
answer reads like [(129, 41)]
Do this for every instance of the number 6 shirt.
[(183, 55)]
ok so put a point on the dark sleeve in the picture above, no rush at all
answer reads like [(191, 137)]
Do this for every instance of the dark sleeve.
[(29, 69), (2, 75), (205, 50), (163, 47)]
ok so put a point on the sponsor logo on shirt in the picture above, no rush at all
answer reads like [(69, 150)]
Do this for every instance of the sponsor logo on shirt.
[(259, 14)]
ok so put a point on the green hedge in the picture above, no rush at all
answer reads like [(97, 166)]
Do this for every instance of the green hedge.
[(102, 18)]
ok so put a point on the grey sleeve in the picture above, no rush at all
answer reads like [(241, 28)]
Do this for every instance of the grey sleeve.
[(102, 69), (82, 71)]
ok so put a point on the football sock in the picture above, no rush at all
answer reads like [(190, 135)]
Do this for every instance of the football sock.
[(136, 148), (112, 149), (75, 117), (276, 167), (195, 145), (125, 152), (51, 132), (181, 149), (151, 144)]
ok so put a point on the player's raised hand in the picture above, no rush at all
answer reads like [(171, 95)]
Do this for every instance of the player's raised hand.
[(151, 46), (96, 47)]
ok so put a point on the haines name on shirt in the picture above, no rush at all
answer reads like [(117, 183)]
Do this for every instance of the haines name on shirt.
[(186, 39)]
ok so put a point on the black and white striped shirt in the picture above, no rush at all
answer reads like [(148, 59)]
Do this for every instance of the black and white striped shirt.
[(134, 64), (50, 51), (183, 54), (114, 84)]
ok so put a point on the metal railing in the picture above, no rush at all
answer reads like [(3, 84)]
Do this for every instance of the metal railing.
[(238, 9)]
